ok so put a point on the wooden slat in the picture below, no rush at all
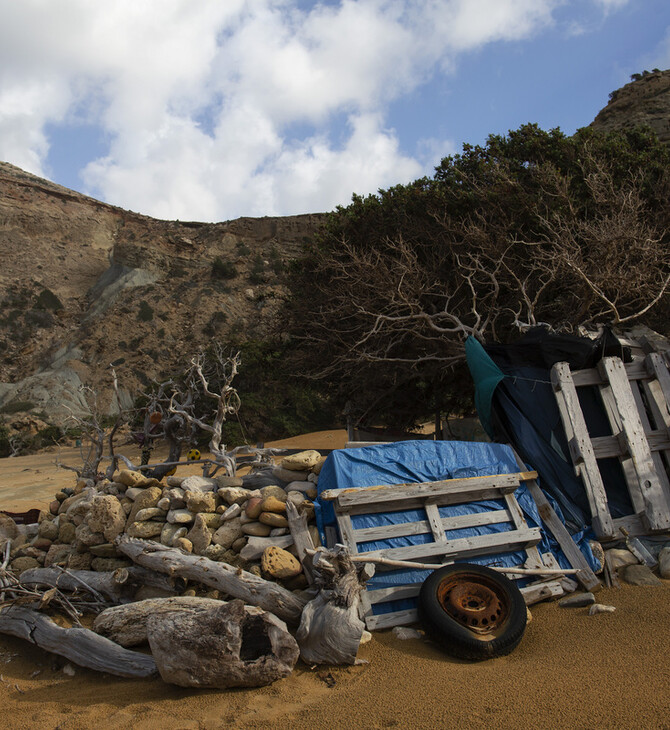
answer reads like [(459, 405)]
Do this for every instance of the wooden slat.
[(634, 371), (405, 529), (584, 459), (606, 447), (388, 620), (627, 465), (467, 488), (586, 576), (400, 505), (463, 547), (657, 510), (656, 364)]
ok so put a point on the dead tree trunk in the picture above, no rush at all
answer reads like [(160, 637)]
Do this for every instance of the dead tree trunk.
[(230, 580)]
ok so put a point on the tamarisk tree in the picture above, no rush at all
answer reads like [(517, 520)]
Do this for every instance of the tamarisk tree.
[(533, 228)]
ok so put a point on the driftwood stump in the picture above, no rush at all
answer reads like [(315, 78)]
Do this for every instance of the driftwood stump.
[(330, 630), (230, 645)]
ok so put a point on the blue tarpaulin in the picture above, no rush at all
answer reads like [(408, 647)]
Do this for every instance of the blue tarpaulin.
[(425, 461)]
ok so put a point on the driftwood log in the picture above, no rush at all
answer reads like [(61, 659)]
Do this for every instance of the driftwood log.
[(118, 586), (229, 580), (304, 545), (330, 630), (127, 624), (79, 645)]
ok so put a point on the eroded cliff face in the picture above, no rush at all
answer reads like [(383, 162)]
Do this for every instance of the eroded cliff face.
[(645, 101), (84, 284)]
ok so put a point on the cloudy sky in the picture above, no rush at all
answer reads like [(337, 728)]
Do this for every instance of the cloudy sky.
[(213, 109)]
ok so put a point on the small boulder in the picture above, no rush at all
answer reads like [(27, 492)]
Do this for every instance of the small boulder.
[(664, 562), (149, 498), (18, 565), (199, 484), (228, 533), (253, 507), (272, 490), (233, 495), (226, 481), (233, 511), (183, 544), (280, 564), (180, 516), (200, 501), (639, 575), (168, 532), (48, 530), (257, 529), (303, 461), (272, 504), (107, 517), (273, 519), (199, 535), (66, 532), (150, 513), (145, 530)]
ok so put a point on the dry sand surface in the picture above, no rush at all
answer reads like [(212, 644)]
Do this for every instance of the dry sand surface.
[(570, 671)]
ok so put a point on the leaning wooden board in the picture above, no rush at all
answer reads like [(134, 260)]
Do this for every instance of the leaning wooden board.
[(428, 497), (635, 398)]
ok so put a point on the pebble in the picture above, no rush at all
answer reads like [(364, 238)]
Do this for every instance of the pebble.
[(233, 495), (199, 484), (183, 544), (601, 608), (145, 530), (253, 507), (272, 490), (303, 461), (149, 513), (577, 600)]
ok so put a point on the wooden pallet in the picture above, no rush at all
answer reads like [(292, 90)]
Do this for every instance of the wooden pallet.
[(429, 497), (635, 398)]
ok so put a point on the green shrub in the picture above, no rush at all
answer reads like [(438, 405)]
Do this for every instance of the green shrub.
[(223, 269), (145, 313), (48, 300), (17, 406), (257, 274), (242, 248)]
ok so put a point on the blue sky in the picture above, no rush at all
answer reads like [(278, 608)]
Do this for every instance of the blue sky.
[(210, 110)]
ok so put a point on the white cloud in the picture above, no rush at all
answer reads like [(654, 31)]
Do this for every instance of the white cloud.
[(148, 73)]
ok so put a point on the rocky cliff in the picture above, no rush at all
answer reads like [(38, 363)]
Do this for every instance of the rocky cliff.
[(84, 284), (644, 101)]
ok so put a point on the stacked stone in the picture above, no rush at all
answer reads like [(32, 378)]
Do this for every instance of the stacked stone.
[(229, 519)]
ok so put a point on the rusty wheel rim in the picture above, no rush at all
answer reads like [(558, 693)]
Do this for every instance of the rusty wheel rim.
[(476, 603)]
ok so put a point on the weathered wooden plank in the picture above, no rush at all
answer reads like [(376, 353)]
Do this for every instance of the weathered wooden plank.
[(541, 592), (533, 557), (463, 547), (467, 490), (388, 620), (656, 458), (606, 447), (657, 510), (657, 366), (405, 529), (444, 500), (435, 522), (347, 534), (634, 371), (581, 449), (586, 576), (627, 465), (633, 524)]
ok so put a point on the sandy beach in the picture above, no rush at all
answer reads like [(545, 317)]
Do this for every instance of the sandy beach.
[(570, 671)]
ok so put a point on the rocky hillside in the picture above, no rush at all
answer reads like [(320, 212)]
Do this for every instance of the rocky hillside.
[(84, 284), (644, 101)]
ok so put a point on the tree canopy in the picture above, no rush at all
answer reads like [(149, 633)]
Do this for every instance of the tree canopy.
[(533, 227)]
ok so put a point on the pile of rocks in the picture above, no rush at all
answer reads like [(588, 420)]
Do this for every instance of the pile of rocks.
[(237, 520)]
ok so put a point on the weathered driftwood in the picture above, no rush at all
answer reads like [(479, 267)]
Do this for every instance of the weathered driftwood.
[(256, 545), (79, 645), (232, 581), (304, 544), (104, 584), (127, 624), (230, 645), (330, 630)]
